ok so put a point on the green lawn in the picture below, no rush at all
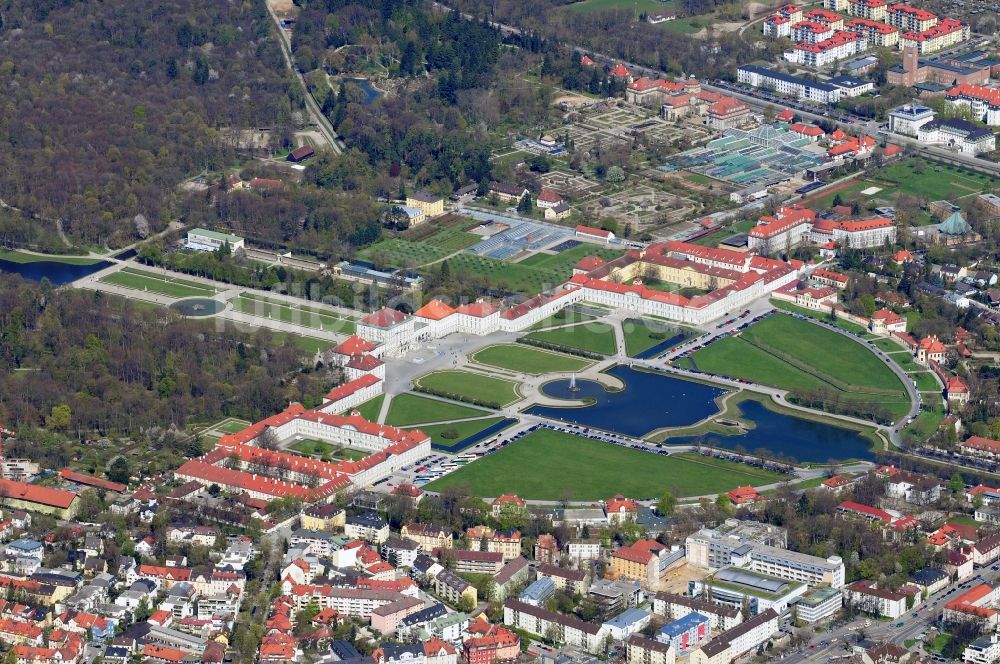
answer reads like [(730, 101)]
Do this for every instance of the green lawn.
[(926, 382), (927, 422), (590, 337), (157, 283), (683, 26), (551, 465), (530, 276), (932, 180), (371, 408), (792, 354), (641, 335), (905, 360), (407, 408), (20, 257), (309, 344), (446, 435), (478, 387), (528, 360)]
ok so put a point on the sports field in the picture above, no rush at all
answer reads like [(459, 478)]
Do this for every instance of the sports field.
[(792, 354), (154, 282), (590, 337), (407, 409), (528, 360), (552, 465), (477, 387)]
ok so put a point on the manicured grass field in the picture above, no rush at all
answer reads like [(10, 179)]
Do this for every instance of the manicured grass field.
[(487, 389), (302, 307), (306, 316), (788, 353), (371, 408), (551, 465), (156, 283), (528, 360), (20, 257), (462, 430), (591, 337), (406, 409), (641, 335)]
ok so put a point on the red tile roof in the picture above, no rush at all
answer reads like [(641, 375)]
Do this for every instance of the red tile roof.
[(353, 345), (350, 387), (90, 480), (549, 196), (596, 232), (384, 317), (850, 506), (36, 494), (983, 444), (481, 309), (434, 310), (743, 494)]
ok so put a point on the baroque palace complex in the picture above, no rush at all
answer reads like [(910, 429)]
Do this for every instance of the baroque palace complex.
[(721, 281)]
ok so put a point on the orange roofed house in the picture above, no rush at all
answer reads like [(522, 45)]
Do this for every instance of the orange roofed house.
[(388, 328), (621, 509), (743, 495), (640, 562)]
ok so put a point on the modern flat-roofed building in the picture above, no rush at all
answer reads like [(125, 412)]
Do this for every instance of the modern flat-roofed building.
[(908, 119), (735, 586), (818, 604), (202, 239), (713, 547)]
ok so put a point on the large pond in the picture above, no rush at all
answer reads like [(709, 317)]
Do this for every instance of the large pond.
[(198, 306), (649, 401), (653, 400), (57, 273)]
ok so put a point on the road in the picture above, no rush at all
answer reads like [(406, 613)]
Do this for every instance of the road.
[(322, 124), (912, 626)]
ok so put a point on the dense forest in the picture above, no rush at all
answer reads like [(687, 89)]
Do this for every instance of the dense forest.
[(83, 362), (108, 106)]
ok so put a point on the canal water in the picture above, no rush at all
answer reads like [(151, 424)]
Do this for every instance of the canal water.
[(653, 400), (57, 273)]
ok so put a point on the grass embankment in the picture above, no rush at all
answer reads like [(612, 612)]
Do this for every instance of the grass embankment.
[(552, 465)]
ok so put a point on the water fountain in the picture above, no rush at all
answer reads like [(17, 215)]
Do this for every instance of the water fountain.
[(572, 384)]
